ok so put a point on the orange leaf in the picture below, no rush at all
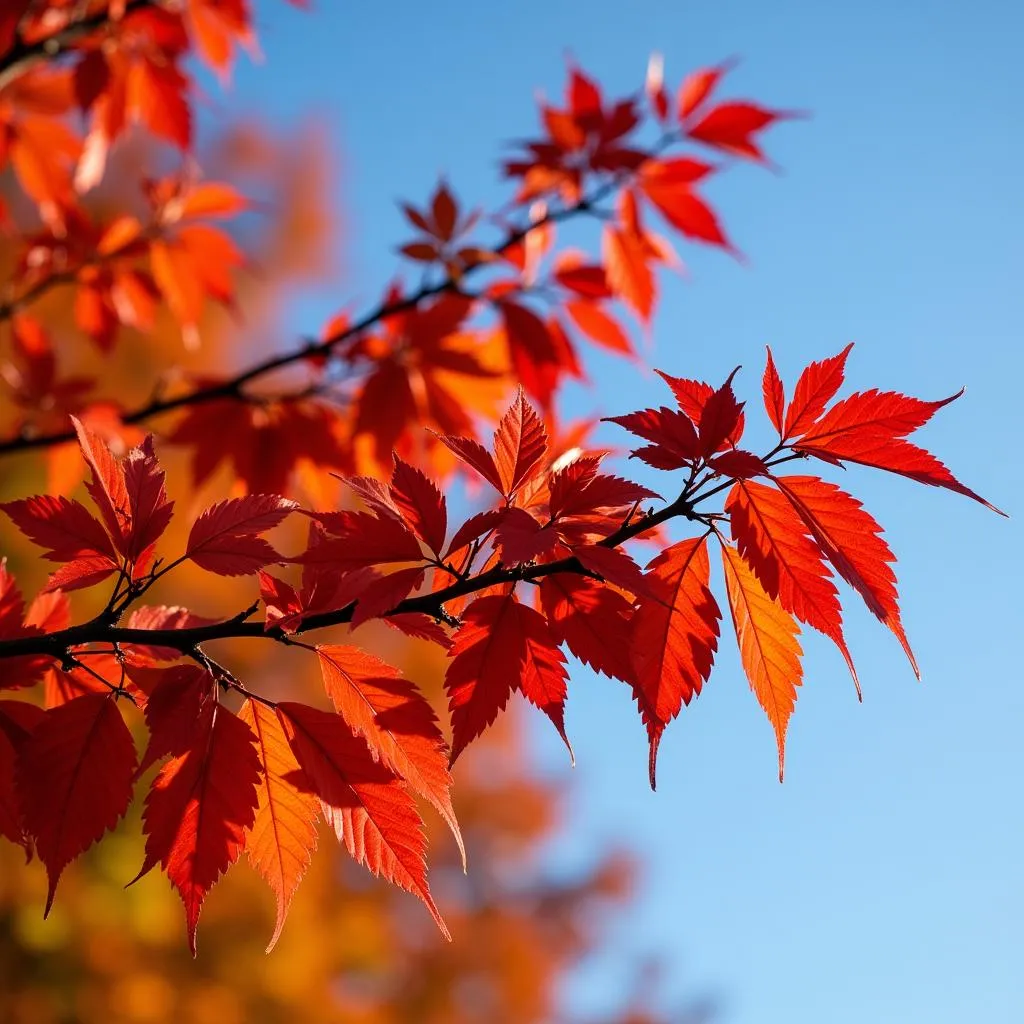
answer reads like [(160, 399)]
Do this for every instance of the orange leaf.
[(396, 721), (766, 634), (597, 325), (774, 541), (365, 802), (282, 839)]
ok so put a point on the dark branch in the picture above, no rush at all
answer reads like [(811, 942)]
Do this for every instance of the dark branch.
[(22, 56), (188, 640), (233, 388)]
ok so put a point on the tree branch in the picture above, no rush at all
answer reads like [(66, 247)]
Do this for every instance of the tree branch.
[(232, 388), (188, 640), (22, 56)]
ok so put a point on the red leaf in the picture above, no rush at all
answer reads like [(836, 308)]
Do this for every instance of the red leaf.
[(17, 720), (738, 464), (815, 388), (530, 345), (696, 88), (157, 95), (597, 325), (282, 839), (200, 806), (671, 432), (422, 504), (578, 489), (731, 127), (148, 504), (543, 678), (475, 527), (774, 395), (486, 655), (282, 603), (421, 627), (177, 697), (720, 419), (80, 573), (225, 538), (868, 427), (368, 807), (163, 617), (592, 620), (49, 611), (382, 594), (500, 643), (614, 565), (520, 443), (688, 213), (674, 636), (74, 779), (693, 397), (628, 267), (774, 541), (475, 455), (65, 527), (586, 280), (361, 539), (106, 486), (520, 538), (766, 635), (850, 539), (398, 724)]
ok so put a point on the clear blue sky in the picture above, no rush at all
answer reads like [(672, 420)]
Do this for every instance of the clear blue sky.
[(882, 882)]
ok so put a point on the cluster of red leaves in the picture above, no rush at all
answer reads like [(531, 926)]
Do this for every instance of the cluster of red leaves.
[(258, 780), (547, 569), (439, 356)]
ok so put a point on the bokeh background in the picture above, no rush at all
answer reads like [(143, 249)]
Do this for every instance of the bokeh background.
[(882, 882)]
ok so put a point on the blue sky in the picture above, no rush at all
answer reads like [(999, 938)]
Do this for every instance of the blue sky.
[(882, 882)]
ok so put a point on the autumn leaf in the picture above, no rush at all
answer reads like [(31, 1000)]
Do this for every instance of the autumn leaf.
[(177, 697), (520, 443), (592, 620), (17, 720), (766, 634), (200, 806), (364, 801), (418, 499), (360, 539), (107, 486), (868, 428), (501, 646), (74, 780), (815, 388), (148, 504), (732, 127), (774, 542), (674, 636), (225, 538), (63, 526), (774, 394), (396, 721), (850, 539), (282, 838)]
